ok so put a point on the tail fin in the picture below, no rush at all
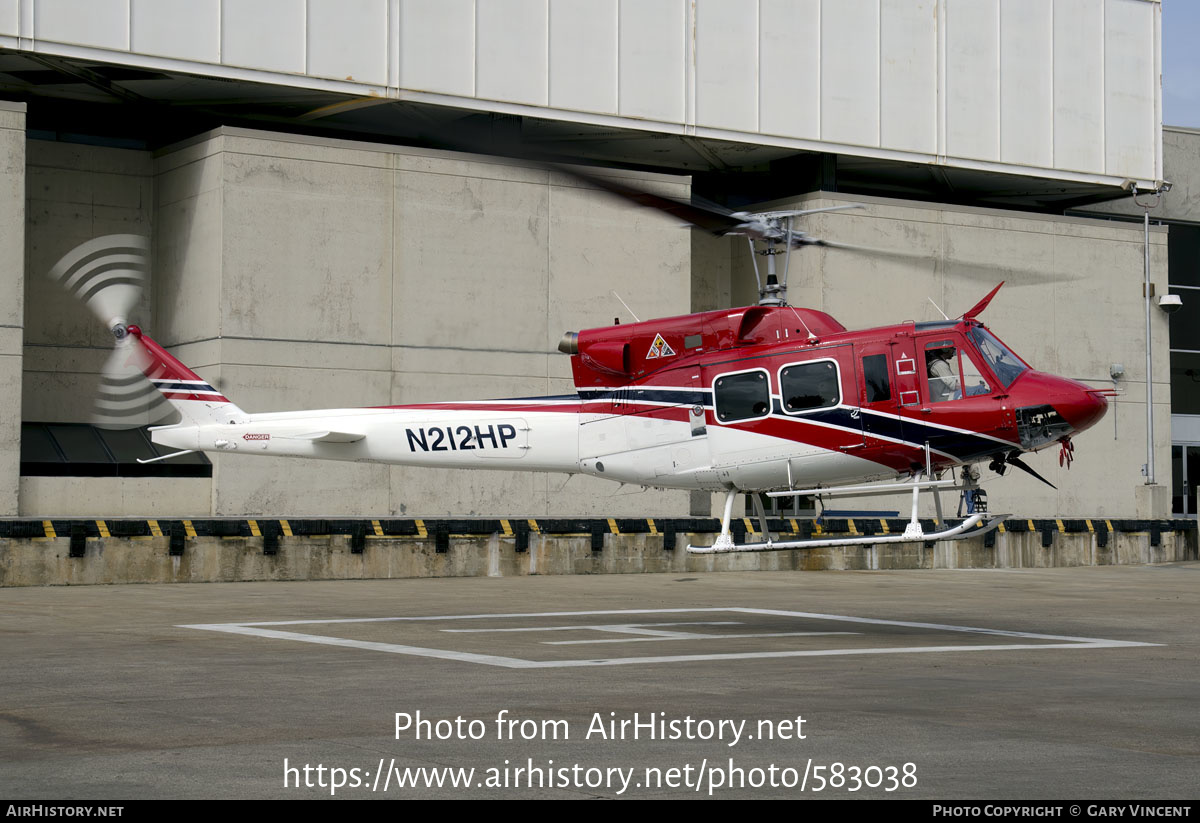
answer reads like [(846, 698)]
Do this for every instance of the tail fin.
[(195, 400)]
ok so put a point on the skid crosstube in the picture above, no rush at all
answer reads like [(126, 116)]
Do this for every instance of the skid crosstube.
[(973, 526)]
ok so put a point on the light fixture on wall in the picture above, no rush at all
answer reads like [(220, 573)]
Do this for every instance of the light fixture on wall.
[(1170, 303), (1115, 371)]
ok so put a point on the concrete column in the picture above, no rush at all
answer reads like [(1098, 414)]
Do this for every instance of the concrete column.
[(12, 307)]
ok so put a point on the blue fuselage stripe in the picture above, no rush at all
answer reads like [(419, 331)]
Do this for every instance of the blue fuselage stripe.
[(914, 433)]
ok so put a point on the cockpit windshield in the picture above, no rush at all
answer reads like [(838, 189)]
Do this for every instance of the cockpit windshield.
[(1005, 365)]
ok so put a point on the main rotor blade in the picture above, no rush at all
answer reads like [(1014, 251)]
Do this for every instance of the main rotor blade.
[(872, 250), (709, 217), (712, 219), (958, 269)]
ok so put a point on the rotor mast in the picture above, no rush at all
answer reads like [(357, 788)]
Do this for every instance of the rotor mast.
[(774, 228)]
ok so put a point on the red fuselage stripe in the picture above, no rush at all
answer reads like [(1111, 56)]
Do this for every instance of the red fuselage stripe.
[(208, 398)]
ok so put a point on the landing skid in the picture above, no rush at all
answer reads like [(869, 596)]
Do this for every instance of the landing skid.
[(913, 533), (973, 526)]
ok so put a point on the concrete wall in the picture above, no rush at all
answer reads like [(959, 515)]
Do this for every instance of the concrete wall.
[(300, 273), (44, 561), (12, 273), (1071, 306), (75, 193), (101, 496)]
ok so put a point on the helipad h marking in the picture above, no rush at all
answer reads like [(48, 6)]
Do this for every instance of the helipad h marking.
[(269, 630)]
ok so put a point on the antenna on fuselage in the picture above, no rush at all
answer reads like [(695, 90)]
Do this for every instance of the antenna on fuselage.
[(626, 305)]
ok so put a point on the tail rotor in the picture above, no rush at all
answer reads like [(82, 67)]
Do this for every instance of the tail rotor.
[(107, 274)]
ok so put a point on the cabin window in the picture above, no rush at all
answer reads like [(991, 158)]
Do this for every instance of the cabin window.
[(875, 378), (807, 386), (742, 396)]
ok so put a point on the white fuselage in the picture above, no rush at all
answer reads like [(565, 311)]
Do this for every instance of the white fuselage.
[(620, 447)]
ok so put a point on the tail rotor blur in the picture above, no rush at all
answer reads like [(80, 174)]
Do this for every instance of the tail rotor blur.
[(107, 274), (126, 398)]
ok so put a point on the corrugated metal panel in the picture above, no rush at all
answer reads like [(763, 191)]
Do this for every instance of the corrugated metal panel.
[(908, 76), (790, 68), (266, 34), (1027, 82), (850, 71), (650, 61), (10, 18), (347, 40), (1052, 87), (511, 44), (583, 55), (1079, 84), (437, 46), (184, 29), (727, 42), (1131, 82), (973, 79), (100, 23)]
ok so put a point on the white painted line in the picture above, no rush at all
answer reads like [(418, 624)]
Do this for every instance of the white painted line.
[(689, 636), (602, 627), (686, 658), (479, 616), (392, 648), (261, 630), (643, 629)]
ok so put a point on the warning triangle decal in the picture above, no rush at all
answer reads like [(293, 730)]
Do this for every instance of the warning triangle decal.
[(659, 348)]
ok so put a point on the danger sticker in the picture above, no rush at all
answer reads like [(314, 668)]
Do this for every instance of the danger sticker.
[(659, 348)]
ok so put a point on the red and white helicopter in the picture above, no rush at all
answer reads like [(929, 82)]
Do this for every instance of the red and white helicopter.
[(767, 398)]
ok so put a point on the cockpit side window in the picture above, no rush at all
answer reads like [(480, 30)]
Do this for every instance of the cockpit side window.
[(941, 370), (974, 383), (1004, 364)]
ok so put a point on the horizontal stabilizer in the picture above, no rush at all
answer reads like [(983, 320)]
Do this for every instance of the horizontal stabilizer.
[(327, 437)]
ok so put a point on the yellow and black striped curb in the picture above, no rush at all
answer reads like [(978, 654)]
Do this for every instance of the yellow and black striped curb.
[(270, 530)]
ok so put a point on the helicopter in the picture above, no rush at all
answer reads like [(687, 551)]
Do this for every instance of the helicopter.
[(769, 398)]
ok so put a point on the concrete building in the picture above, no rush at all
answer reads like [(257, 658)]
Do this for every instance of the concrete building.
[(1178, 209), (303, 257)]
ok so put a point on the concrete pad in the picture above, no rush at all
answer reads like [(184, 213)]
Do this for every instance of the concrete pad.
[(107, 692)]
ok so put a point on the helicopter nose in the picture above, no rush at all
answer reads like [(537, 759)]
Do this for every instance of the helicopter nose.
[(1082, 407), (1078, 404), (1054, 407)]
